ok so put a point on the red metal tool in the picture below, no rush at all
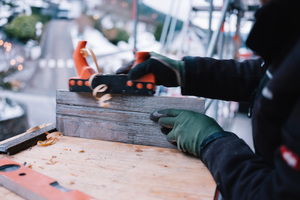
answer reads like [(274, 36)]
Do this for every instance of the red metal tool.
[(30, 184), (117, 84)]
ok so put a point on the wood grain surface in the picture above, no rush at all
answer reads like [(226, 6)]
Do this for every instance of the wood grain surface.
[(125, 120), (112, 170)]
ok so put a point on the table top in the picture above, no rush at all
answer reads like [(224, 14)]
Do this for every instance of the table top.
[(112, 170)]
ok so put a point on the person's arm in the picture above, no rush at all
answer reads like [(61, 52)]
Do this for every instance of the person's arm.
[(237, 170), (222, 79), (241, 174), (204, 77)]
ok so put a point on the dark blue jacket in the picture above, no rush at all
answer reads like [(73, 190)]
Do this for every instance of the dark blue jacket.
[(273, 172)]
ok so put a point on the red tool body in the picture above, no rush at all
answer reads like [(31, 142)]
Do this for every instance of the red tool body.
[(117, 84)]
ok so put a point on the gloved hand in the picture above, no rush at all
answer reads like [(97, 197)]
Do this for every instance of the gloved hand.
[(187, 129), (124, 69), (167, 72)]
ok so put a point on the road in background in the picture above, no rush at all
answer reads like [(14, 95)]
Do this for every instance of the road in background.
[(48, 73), (55, 64)]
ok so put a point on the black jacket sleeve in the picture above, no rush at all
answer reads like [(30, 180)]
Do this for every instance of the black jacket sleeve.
[(222, 79), (241, 174)]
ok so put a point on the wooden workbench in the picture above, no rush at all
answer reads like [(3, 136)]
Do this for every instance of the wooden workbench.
[(112, 170)]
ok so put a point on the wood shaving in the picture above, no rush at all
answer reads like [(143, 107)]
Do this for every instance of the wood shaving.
[(36, 128), (85, 54), (103, 100), (44, 125), (51, 139), (32, 129), (92, 78), (99, 88), (82, 151), (52, 162)]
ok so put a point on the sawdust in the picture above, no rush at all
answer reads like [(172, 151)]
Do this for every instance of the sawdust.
[(81, 151), (52, 162), (28, 165), (73, 174)]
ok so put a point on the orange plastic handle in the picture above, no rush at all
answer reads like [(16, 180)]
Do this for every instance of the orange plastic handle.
[(82, 67), (142, 56)]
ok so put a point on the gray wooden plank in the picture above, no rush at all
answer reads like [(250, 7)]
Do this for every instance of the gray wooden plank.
[(98, 113), (132, 103), (126, 120), (132, 133)]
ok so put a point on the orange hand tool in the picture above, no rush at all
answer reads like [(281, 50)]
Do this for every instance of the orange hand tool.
[(30, 184), (87, 79), (149, 79), (84, 71)]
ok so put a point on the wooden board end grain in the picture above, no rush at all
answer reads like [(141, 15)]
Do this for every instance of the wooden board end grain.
[(125, 120)]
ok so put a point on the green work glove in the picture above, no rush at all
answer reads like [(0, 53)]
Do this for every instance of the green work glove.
[(167, 72), (187, 129)]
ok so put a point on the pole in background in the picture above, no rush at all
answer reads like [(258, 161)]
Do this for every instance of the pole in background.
[(135, 18), (211, 7), (165, 27), (237, 38), (215, 36), (173, 26)]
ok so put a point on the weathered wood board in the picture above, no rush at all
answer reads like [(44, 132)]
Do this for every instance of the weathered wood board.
[(112, 170), (125, 120), (25, 140)]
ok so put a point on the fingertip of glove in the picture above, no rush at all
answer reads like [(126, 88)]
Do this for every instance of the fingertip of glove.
[(124, 69), (154, 116), (138, 71)]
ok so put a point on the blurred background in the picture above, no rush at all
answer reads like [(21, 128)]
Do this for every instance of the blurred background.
[(37, 39)]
